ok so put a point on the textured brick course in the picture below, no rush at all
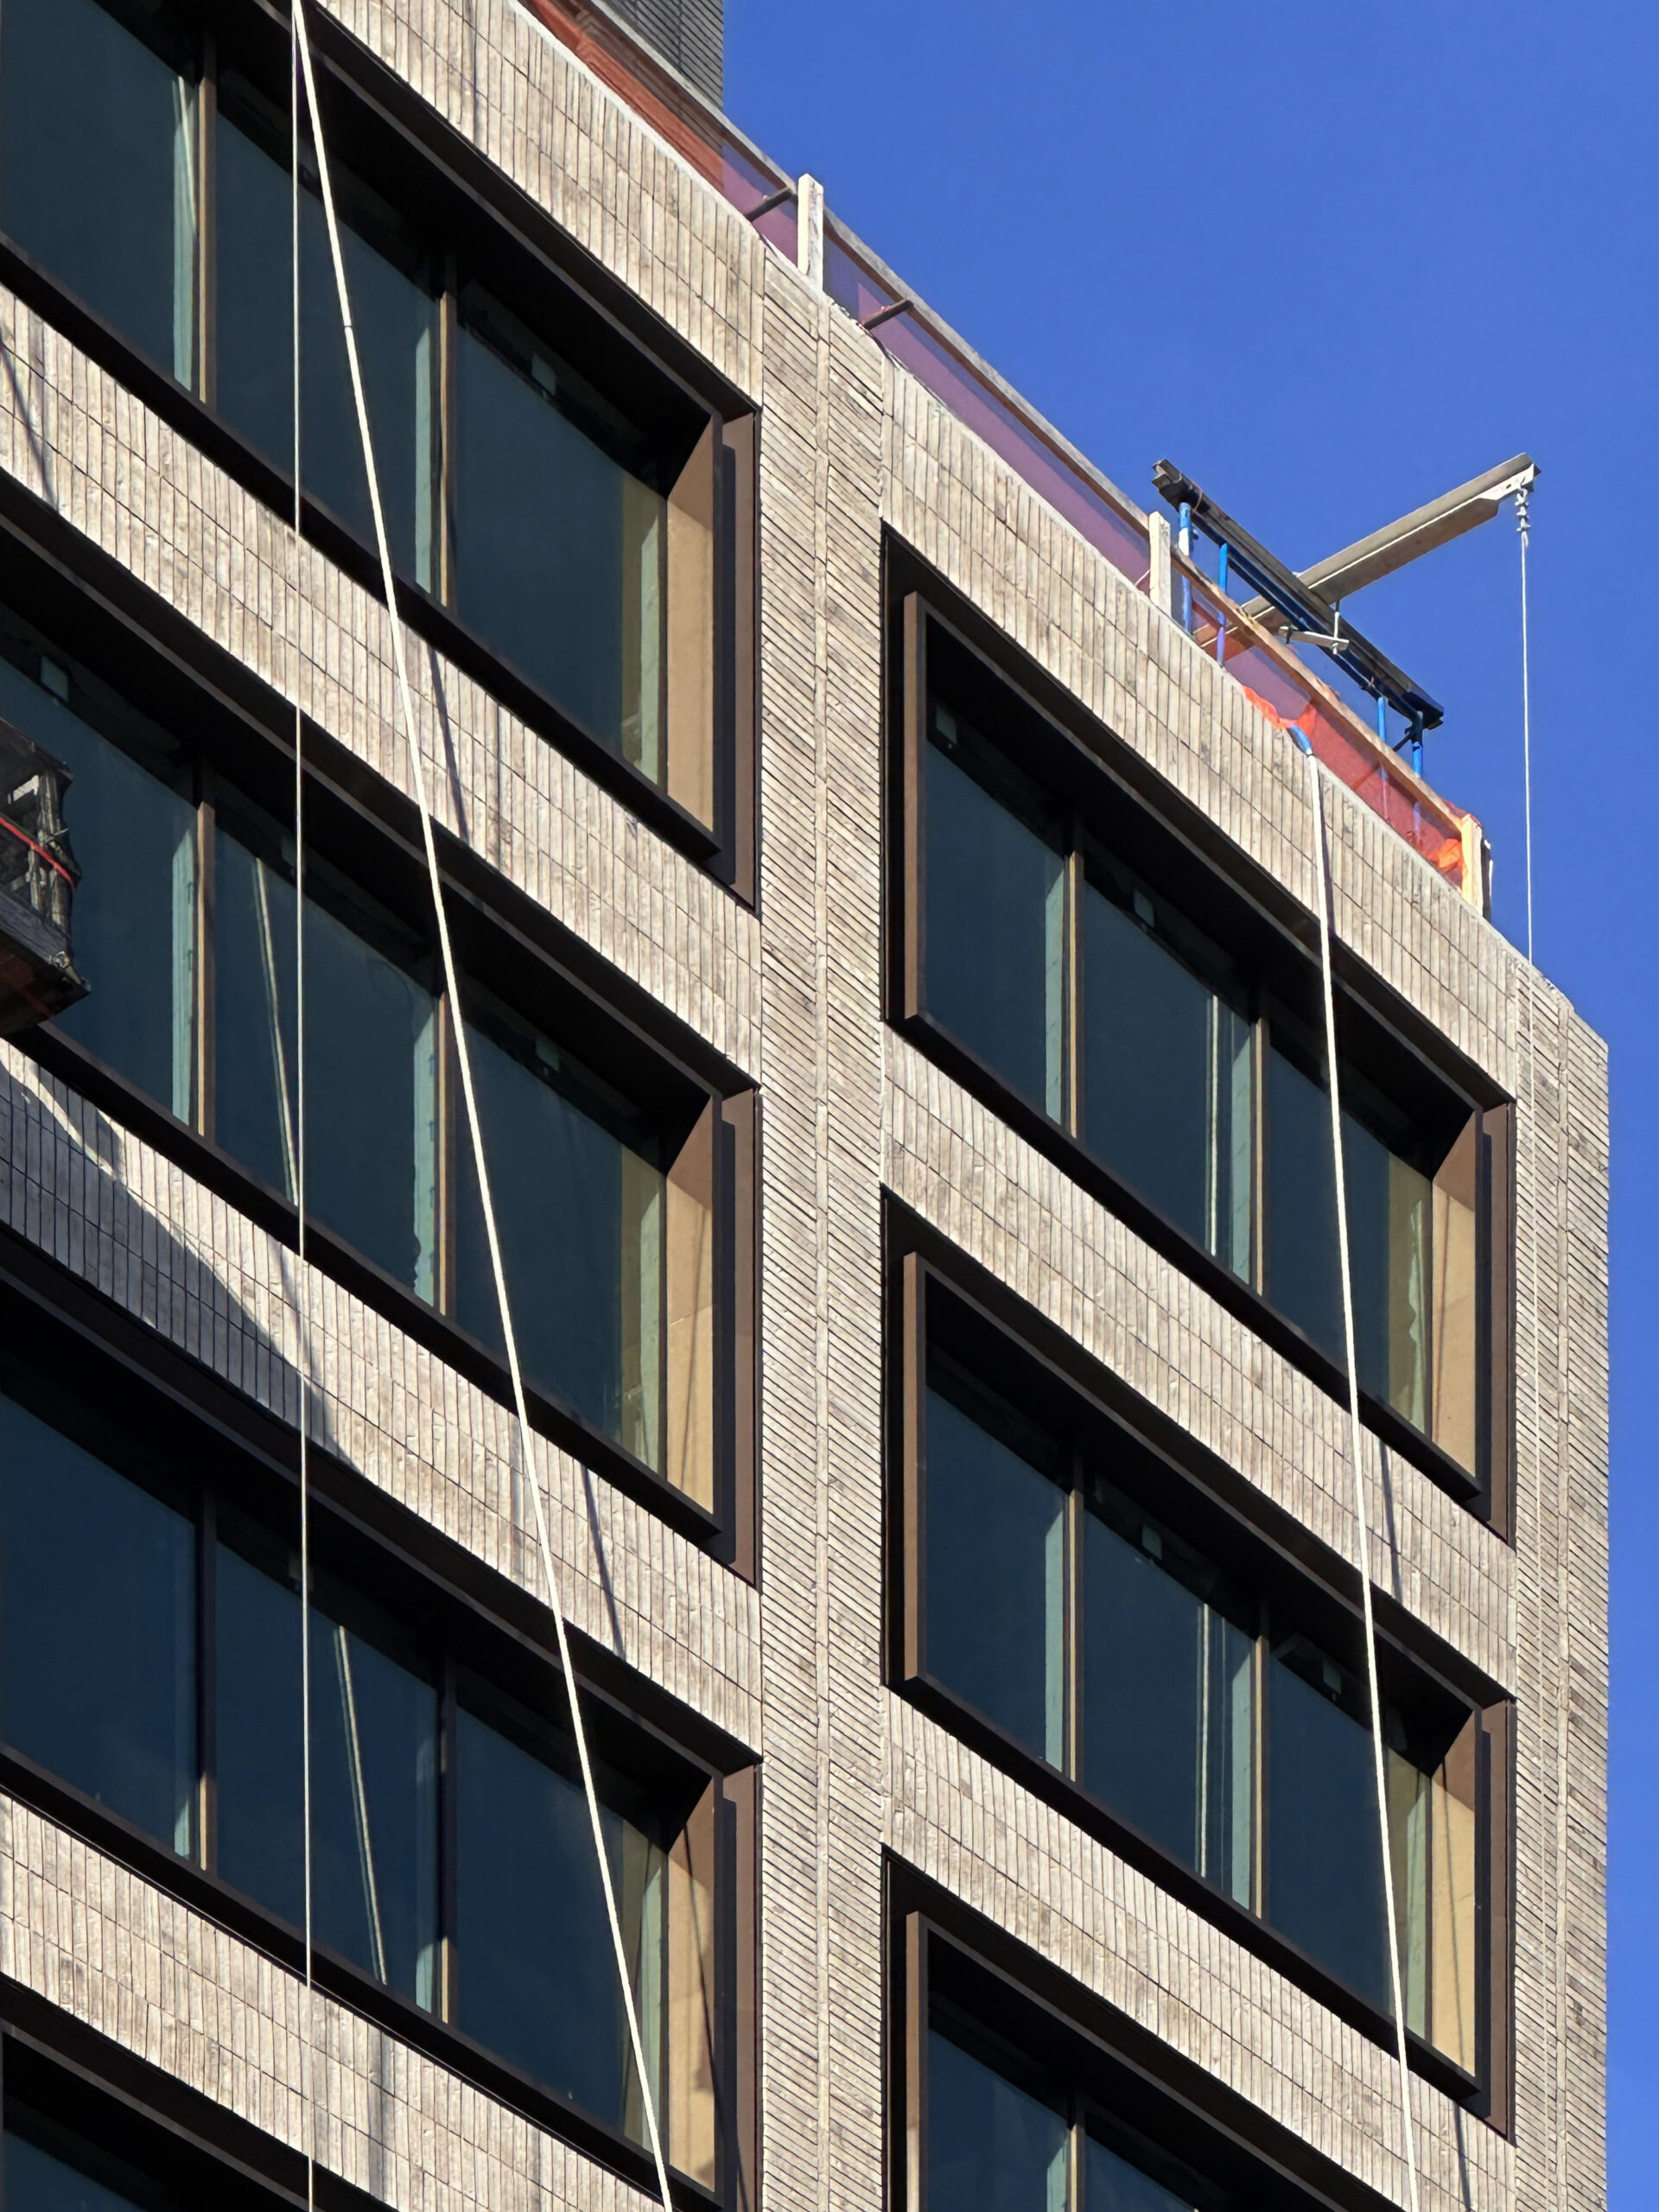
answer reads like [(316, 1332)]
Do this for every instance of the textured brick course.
[(851, 443)]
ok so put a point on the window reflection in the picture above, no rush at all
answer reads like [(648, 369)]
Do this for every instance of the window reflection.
[(372, 1052), (97, 1666), (995, 917), (133, 827), (1168, 1694), (48, 2169), (97, 169), (992, 2145), (995, 1575), (537, 1971), (581, 1231), (394, 315), (561, 538), (374, 1773)]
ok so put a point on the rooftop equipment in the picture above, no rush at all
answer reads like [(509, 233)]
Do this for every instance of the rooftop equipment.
[(38, 875)]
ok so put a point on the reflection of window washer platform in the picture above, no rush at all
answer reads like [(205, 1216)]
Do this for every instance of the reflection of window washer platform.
[(38, 877)]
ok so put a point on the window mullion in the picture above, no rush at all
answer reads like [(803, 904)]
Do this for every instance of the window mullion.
[(448, 488), (446, 1993), (1073, 1642), (206, 1684), (206, 222), (1259, 1764), (202, 1085), (1073, 972)]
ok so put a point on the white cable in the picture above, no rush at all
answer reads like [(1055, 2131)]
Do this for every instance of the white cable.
[(418, 776), (1316, 796), (1522, 526), (307, 2101)]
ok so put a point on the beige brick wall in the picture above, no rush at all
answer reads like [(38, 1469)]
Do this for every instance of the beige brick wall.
[(793, 996)]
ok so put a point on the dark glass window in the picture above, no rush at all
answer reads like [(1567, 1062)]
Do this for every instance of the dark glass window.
[(581, 1210), (1033, 937), (99, 1673), (98, 1634), (1051, 1602), (1167, 1075), (537, 1972), (132, 823), (1112, 2182), (1168, 1694), (393, 312), (372, 1168), (994, 915), (992, 2145), (995, 1575), (374, 1772), (97, 169), (70, 2176), (561, 536)]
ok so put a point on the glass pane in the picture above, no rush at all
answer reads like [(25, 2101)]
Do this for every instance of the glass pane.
[(97, 169), (134, 918), (559, 546), (996, 1565), (580, 1216), (371, 1067), (374, 1779), (991, 2145), (1388, 1235), (1325, 1870), (98, 1667), (1167, 1080), (396, 321), (1168, 1706), (537, 1971), (35, 2181), (1112, 2184), (994, 926), (1304, 1274)]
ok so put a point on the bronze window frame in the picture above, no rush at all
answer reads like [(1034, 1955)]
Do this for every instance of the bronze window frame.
[(1296, 1580), (153, 1405), (1104, 795)]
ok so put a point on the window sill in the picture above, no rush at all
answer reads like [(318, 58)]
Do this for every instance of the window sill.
[(205, 1893), (1243, 1302), (1073, 1802), (207, 431), (268, 1209)]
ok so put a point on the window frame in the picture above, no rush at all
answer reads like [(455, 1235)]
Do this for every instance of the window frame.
[(58, 584), (1104, 795), (1105, 2064), (151, 1404), (475, 218), (1296, 1583)]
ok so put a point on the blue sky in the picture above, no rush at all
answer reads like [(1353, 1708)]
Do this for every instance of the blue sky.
[(1332, 261)]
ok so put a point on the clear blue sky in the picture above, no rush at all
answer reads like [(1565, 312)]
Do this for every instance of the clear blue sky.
[(1332, 261)]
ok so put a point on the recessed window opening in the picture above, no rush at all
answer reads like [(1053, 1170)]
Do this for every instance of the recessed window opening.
[(575, 508), (452, 1856), (1215, 1708), (620, 1176), (1044, 951)]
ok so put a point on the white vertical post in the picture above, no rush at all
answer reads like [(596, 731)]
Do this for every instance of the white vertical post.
[(1158, 578), (809, 247)]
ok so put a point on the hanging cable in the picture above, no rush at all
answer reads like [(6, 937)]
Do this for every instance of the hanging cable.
[(1322, 862), (417, 774), (1523, 529), (302, 1302)]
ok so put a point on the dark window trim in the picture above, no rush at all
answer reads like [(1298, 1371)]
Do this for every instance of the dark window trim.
[(453, 181), (56, 577), (1255, 1542), (1087, 769), (1108, 2058), (238, 1453)]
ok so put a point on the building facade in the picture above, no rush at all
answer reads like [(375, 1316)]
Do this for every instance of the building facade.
[(888, 924)]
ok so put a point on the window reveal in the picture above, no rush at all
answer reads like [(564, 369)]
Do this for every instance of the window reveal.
[(1049, 1603), (1074, 982), (98, 1686)]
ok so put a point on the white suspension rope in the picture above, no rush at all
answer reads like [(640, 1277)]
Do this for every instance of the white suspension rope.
[(1523, 529), (307, 2101), (417, 775), (1316, 800)]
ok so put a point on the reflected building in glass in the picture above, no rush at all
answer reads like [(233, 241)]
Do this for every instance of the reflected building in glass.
[(886, 984)]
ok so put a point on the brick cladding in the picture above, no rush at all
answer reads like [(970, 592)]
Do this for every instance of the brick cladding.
[(850, 443)]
